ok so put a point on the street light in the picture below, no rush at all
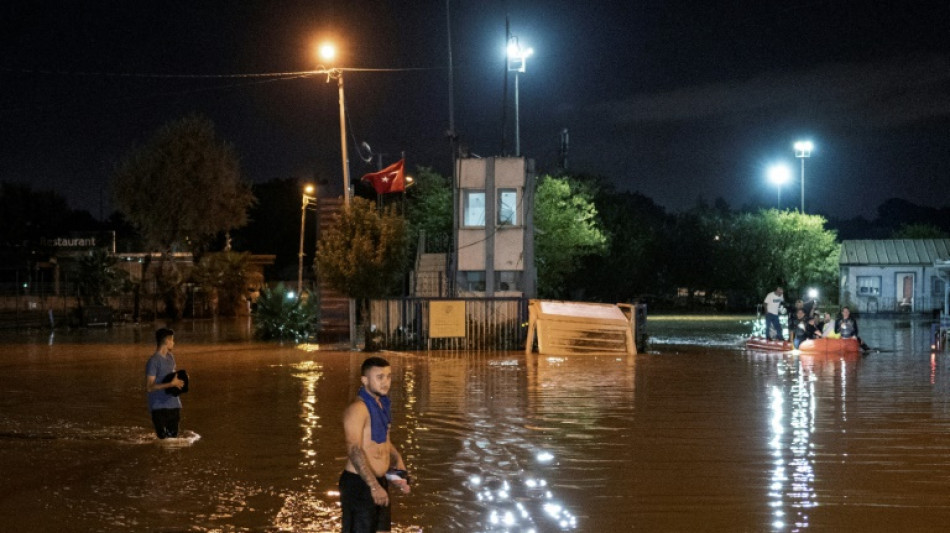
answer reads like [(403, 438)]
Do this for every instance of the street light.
[(517, 59), (779, 174), (803, 150), (327, 52), (307, 198)]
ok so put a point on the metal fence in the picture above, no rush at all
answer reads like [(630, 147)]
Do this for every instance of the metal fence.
[(490, 324), (897, 305), (47, 305)]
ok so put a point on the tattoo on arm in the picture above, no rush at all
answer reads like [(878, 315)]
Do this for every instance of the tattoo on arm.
[(361, 463)]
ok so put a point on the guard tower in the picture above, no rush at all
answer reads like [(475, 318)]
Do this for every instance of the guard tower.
[(494, 253)]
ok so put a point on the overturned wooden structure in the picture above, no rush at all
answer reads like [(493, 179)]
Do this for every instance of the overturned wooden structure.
[(581, 328)]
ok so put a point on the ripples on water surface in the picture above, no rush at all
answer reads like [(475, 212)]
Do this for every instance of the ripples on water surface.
[(694, 434)]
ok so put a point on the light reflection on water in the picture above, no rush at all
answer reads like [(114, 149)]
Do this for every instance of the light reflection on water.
[(688, 436)]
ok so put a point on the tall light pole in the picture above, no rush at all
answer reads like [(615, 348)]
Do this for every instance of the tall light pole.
[(517, 59), (328, 53), (307, 198), (779, 174), (802, 151)]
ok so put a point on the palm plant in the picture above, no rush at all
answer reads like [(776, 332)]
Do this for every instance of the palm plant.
[(281, 315)]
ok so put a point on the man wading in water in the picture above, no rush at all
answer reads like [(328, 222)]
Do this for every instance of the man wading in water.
[(364, 484), (165, 408)]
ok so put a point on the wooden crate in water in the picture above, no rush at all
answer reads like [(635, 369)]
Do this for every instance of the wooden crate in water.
[(574, 328)]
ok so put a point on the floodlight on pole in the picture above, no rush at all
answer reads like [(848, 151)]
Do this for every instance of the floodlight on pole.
[(779, 174), (802, 151), (517, 60)]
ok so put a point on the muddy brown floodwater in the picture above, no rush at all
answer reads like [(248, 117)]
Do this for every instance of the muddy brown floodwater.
[(696, 434)]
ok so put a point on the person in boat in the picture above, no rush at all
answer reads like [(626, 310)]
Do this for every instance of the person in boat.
[(807, 330), (774, 303), (828, 327), (795, 318), (810, 306), (797, 327), (847, 327)]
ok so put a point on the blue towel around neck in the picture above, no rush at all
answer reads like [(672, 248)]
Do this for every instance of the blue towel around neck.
[(379, 417)]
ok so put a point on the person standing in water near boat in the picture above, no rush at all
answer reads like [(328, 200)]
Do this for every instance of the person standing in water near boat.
[(372, 462), (165, 407), (774, 302)]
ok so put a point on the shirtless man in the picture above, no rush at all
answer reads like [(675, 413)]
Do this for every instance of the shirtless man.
[(364, 484)]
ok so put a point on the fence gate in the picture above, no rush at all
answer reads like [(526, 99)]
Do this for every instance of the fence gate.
[(489, 324)]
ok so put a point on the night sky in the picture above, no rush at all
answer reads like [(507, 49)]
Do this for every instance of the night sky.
[(676, 100)]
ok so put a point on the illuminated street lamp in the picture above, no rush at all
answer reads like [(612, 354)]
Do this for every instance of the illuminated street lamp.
[(327, 52), (803, 150), (779, 175), (307, 199), (517, 59)]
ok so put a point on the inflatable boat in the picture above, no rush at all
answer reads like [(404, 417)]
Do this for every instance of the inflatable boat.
[(809, 346)]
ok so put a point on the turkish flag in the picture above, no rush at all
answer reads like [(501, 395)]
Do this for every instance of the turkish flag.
[(389, 179)]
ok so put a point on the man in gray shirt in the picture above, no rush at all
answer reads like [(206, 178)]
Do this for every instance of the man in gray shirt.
[(165, 408)]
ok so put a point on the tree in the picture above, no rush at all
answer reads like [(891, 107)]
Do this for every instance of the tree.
[(919, 231), (223, 276), (363, 253), (773, 247), (566, 230), (181, 189), (429, 209), (280, 315), (634, 226), (97, 278)]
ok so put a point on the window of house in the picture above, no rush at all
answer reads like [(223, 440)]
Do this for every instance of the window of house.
[(474, 209), (473, 281), (869, 285), (507, 280), (937, 286), (507, 207)]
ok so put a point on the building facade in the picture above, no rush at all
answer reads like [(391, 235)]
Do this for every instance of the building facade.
[(495, 235), (897, 275)]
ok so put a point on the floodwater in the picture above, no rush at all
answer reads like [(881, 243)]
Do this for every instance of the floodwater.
[(695, 434)]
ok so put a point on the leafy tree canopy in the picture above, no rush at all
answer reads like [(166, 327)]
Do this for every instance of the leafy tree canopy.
[(182, 187), (773, 247), (566, 229), (429, 208), (98, 277), (363, 254), (919, 231)]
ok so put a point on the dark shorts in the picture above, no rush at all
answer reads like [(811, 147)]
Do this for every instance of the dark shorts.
[(360, 513), (166, 422)]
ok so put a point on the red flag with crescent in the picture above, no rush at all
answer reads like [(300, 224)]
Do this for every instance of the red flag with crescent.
[(389, 179)]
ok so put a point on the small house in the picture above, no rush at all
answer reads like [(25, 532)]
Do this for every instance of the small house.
[(895, 275)]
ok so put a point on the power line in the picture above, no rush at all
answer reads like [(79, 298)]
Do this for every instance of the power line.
[(147, 75)]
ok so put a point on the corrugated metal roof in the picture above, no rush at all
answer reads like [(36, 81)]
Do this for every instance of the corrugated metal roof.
[(894, 252)]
